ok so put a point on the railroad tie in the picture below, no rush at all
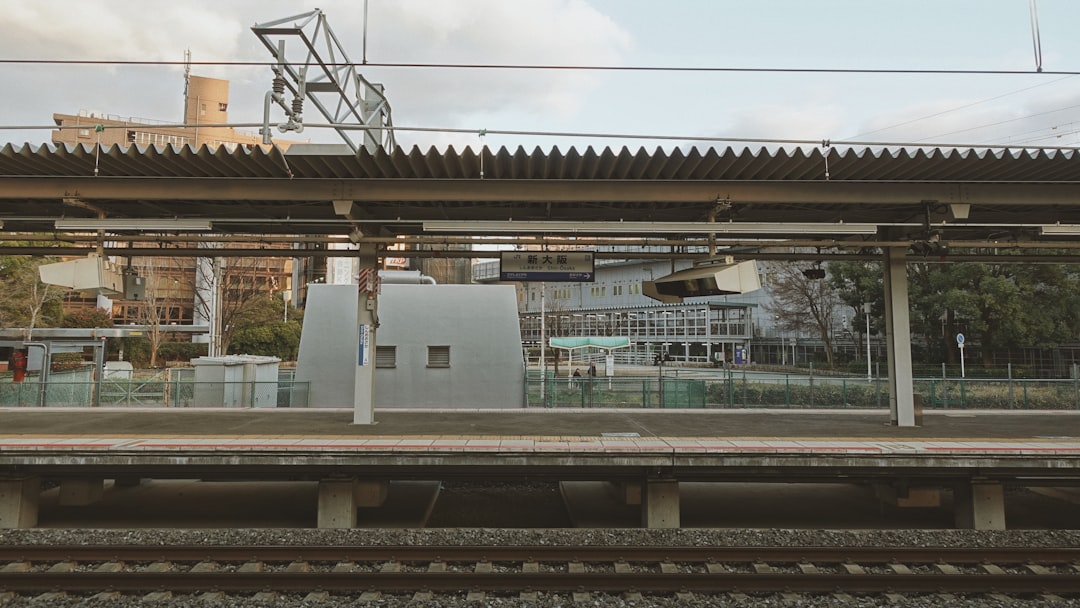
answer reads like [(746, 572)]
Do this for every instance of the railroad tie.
[(204, 567), (299, 566), (16, 567), (992, 569), (212, 596), (316, 597), (900, 569), (437, 567), (390, 567), (423, 597), (582, 597), (762, 568), (576, 568), (370, 596), (251, 567), (344, 567), (483, 568), (62, 567), (160, 567), (158, 596), (50, 597), (668, 568), (529, 596), (808, 568), (715, 568), (530, 567), (110, 567), (854, 568), (947, 568), (1038, 569), (476, 596), (266, 596), (622, 568)]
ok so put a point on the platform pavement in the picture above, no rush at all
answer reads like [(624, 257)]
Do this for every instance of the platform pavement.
[(652, 450), (838, 424)]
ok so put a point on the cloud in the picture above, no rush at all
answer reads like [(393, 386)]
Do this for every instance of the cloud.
[(552, 32), (773, 121)]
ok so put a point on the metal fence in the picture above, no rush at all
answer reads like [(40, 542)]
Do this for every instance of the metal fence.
[(153, 393), (794, 391)]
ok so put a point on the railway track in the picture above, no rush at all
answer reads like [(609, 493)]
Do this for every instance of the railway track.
[(502, 570)]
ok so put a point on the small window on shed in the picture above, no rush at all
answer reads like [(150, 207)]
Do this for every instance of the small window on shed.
[(438, 356), (385, 356)]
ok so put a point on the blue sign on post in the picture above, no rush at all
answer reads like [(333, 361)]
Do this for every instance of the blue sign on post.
[(555, 266), (362, 347)]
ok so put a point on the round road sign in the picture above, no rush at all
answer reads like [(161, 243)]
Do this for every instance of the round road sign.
[(960, 339)]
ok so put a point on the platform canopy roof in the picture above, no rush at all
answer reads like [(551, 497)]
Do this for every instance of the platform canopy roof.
[(824, 196), (601, 342)]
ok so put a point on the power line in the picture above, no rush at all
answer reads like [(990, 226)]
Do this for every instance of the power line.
[(1000, 122), (958, 108), (823, 143), (522, 66)]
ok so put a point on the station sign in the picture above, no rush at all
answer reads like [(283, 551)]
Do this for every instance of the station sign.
[(556, 266)]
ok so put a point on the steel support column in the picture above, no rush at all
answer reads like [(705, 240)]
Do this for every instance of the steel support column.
[(367, 318), (898, 333)]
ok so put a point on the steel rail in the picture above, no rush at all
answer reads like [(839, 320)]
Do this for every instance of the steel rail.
[(652, 582), (541, 553)]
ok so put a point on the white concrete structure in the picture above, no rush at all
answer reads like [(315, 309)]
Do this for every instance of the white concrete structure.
[(438, 346)]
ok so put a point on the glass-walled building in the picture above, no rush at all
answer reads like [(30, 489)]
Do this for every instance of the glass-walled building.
[(701, 330)]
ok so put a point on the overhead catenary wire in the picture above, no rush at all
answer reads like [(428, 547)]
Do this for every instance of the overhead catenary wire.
[(557, 67), (958, 108), (581, 135)]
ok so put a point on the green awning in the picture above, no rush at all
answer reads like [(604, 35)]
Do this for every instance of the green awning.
[(605, 342)]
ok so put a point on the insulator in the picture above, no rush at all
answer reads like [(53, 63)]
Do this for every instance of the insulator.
[(298, 105), (279, 85)]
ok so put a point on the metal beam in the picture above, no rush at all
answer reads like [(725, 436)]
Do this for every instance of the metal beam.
[(539, 191)]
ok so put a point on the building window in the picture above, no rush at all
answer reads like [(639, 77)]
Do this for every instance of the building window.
[(84, 132), (222, 107), (438, 356), (385, 356)]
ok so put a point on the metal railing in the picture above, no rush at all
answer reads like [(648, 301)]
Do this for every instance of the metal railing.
[(153, 393), (734, 390)]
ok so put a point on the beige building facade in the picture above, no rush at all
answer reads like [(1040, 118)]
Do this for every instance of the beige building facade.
[(205, 105)]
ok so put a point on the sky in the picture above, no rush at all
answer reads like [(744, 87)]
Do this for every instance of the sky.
[(1017, 110)]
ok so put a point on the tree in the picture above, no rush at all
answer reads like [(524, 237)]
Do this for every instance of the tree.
[(152, 309), (89, 318), (263, 330), (228, 290), (24, 300), (802, 302), (856, 284), (1000, 305)]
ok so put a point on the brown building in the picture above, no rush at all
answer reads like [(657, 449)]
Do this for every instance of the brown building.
[(180, 288), (206, 105)]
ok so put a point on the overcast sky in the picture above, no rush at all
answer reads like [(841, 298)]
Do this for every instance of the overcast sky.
[(1027, 109)]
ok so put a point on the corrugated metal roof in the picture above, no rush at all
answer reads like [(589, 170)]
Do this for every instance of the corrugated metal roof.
[(727, 164), (266, 191)]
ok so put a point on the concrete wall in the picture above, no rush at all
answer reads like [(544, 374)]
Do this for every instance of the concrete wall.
[(478, 322)]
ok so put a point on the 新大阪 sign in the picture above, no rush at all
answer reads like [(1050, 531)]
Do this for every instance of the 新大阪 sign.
[(569, 266)]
